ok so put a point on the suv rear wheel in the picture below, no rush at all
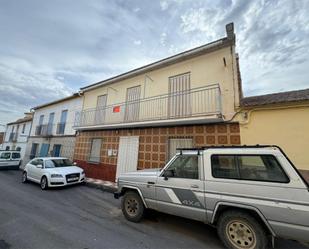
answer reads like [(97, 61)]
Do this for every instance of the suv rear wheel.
[(239, 230), (132, 206)]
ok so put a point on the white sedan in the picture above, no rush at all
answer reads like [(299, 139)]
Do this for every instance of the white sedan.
[(52, 172)]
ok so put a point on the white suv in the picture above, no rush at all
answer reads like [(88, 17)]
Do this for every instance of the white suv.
[(52, 172), (250, 193)]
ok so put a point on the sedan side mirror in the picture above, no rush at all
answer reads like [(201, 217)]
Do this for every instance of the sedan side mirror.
[(39, 166), (168, 173)]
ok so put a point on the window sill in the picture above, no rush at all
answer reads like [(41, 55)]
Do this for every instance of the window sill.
[(93, 162)]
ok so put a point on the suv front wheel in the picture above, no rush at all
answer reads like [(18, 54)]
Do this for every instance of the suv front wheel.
[(239, 230), (132, 206)]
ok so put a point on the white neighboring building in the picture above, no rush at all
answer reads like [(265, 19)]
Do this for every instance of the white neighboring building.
[(17, 133), (52, 133)]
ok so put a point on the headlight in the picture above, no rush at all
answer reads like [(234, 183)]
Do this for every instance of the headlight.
[(55, 175)]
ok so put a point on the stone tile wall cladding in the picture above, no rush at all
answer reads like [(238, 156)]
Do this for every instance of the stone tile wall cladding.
[(153, 145)]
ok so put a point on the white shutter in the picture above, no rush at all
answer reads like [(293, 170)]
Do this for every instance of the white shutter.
[(174, 143), (127, 155)]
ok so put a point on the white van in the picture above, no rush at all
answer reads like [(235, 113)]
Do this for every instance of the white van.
[(10, 159)]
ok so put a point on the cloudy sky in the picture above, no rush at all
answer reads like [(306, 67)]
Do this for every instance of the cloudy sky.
[(50, 49)]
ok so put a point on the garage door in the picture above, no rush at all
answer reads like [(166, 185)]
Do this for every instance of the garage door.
[(127, 155), (174, 143)]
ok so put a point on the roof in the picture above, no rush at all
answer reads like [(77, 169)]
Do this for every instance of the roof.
[(21, 120), (207, 48), (74, 95), (276, 98)]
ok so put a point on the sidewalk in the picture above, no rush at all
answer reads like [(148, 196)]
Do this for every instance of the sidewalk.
[(100, 184)]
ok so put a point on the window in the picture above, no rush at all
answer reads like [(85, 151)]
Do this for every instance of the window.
[(175, 143), (5, 155), (23, 130), (185, 166), (34, 149), (179, 101), (7, 147), (41, 119), (15, 155), (63, 119), (95, 150), (56, 163), (50, 123), (224, 166), (18, 148), (40, 162), (36, 162), (56, 150), (248, 167), (261, 168)]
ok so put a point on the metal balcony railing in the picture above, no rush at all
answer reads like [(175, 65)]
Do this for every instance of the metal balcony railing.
[(13, 137), (45, 130), (186, 104)]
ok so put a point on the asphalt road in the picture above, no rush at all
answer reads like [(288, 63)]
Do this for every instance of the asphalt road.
[(83, 217)]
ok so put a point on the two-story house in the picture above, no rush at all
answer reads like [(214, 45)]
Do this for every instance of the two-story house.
[(52, 133), (138, 119), (17, 133)]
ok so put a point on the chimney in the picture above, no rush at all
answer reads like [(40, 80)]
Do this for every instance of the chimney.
[(230, 31), (28, 114)]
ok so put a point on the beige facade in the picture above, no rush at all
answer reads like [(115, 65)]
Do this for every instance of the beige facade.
[(184, 100), (214, 68), (284, 124)]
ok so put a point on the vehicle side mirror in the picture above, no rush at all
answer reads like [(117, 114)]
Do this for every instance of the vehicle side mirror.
[(167, 174), (39, 166)]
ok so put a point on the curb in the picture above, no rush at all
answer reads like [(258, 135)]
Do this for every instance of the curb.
[(104, 188)]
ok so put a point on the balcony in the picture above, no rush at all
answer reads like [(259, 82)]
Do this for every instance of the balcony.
[(192, 106), (13, 137), (45, 130)]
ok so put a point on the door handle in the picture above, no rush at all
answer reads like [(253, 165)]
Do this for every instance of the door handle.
[(194, 186), (150, 182)]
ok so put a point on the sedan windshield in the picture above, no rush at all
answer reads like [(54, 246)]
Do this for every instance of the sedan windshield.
[(55, 163)]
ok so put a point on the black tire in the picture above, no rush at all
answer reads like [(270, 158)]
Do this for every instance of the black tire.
[(24, 177), (132, 206), (44, 183), (240, 230)]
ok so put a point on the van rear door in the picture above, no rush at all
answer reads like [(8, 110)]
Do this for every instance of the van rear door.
[(5, 158)]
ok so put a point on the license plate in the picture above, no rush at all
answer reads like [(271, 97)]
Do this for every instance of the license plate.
[(73, 179)]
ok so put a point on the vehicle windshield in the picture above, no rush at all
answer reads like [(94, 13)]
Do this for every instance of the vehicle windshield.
[(55, 163)]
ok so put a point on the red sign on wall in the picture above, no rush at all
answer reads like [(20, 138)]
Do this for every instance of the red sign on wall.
[(116, 108)]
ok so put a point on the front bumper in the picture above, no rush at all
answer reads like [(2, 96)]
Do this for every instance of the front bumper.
[(61, 181)]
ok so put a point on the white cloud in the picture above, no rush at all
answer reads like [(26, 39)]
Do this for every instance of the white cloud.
[(163, 39), (137, 42), (51, 48), (270, 39), (164, 5)]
